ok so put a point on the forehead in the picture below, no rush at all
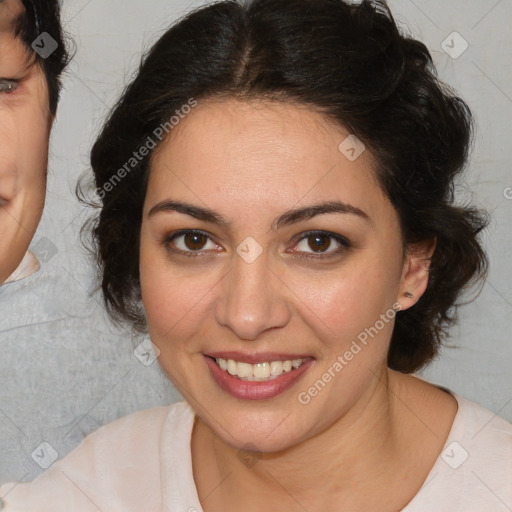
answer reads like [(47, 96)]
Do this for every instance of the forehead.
[(220, 131), (256, 155), (11, 11), (265, 138), (15, 55)]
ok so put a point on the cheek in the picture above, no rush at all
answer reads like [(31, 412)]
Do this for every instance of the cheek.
[(342, 304), (174, 299), (33, 143), (10, 156), (178, 311), (24, 139)]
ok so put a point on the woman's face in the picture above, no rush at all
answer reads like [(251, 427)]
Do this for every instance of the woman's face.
[(25, 123), (236, 263)]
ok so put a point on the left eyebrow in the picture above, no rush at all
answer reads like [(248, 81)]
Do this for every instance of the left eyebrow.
[(290, 217), (308, 212)]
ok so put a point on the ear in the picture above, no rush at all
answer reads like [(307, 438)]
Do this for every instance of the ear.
[(415, 272)]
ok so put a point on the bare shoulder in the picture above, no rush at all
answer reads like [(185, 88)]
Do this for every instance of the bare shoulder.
[(475, 468)]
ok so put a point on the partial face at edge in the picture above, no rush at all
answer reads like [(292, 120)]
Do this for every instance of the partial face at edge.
[(317, 284), (25, 123)]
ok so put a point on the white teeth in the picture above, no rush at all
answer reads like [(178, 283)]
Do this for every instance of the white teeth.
[(232, 367), (276, 368), (244, 369), (259, 371)]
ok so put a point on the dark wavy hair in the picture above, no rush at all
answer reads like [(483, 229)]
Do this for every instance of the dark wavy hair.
[(44, 16), (353, 64)]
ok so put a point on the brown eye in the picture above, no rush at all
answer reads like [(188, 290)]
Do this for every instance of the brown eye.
[(190, 242), (195, 241), (319, 243)]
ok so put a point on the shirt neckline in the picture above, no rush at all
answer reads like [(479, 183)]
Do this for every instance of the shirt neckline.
[(456, 430), (29, 265), (178, 482)]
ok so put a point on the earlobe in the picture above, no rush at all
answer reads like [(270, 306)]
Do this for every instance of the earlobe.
[(415, 273)]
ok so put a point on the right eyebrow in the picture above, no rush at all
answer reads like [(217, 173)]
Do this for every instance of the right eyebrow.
[(204, 214)]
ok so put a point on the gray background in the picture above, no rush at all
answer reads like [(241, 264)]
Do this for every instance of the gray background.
[(65, 369)]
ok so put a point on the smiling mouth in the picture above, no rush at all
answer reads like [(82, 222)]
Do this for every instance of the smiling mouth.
[(259, 372)]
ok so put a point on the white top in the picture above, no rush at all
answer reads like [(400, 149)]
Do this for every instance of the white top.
[(29, 265), (142, 462)]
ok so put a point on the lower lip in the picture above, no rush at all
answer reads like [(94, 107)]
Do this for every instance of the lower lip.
[(255, 390)]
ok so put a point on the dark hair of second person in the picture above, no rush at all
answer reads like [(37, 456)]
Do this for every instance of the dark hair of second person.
[(44, 16)]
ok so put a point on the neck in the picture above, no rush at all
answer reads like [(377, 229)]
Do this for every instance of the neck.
[(354, 455)]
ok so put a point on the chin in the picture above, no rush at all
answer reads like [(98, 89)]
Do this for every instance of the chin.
[(267, 427)]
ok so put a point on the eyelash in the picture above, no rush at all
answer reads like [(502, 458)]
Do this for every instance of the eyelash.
[(342, 241), (12, 84)]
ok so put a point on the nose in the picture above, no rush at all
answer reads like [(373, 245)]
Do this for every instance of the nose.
[(252, 299)]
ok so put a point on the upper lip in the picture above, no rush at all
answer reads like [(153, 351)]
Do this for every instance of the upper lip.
[(260, 357)]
